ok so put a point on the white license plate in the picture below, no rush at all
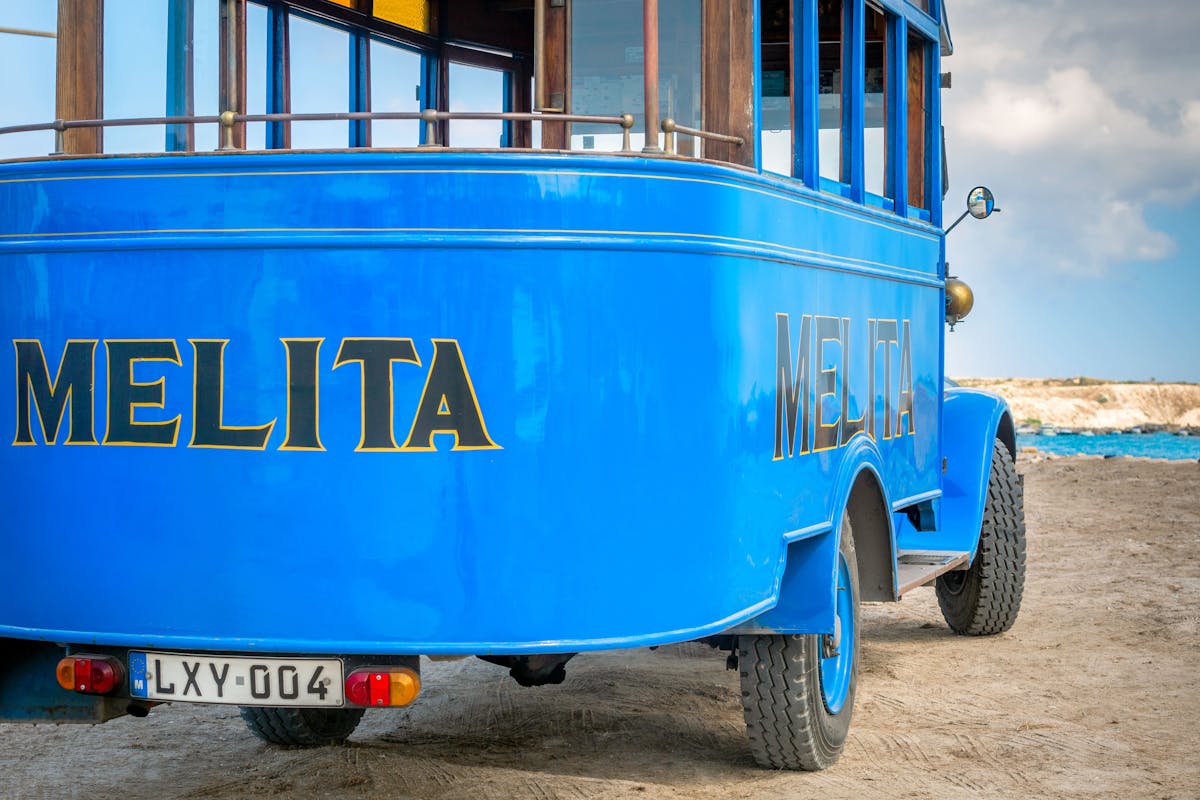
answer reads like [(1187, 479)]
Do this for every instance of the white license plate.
[(238, 680)]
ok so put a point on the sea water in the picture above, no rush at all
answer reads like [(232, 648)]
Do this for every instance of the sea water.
[(1146, 445)]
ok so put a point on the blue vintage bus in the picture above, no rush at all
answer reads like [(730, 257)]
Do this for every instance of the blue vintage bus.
[(644, 346)]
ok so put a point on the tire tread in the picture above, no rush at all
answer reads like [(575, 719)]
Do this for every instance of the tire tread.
[(301, 727), (990, 597)]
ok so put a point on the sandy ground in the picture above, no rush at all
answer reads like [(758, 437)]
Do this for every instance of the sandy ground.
[(1094, 693)]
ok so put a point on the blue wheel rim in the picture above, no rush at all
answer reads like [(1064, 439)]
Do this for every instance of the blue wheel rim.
[(837, 669)]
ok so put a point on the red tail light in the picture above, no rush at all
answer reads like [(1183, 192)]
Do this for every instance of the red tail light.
[(90, 674), (385, 686)]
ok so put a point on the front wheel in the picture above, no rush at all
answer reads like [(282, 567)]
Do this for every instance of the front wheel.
[(305, 727), (798, 690), (985, 599)]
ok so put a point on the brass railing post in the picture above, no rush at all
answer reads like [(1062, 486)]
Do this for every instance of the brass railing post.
[(430, 117), (668, 126), (228, 118)]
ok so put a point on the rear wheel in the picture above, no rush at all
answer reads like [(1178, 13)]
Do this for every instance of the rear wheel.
[(985, 599), (798, 690), (308, 727)]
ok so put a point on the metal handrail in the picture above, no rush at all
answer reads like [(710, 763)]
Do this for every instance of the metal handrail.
[(670, 127), (228, 119)]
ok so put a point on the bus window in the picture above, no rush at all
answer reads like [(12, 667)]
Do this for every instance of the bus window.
[(143, 67), (776, 87), (206, 55), (679, 47), (831, 56), (918, 113), (606, 69), (477, 89), (875, 111), (395, 86), (320, 75), (256, 74)]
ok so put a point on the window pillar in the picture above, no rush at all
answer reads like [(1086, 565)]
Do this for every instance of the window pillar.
[(650, 67), (279, 93), (854, 87), (233, 67), (360, 91), (181, 100), (80, 67), (805, 88)]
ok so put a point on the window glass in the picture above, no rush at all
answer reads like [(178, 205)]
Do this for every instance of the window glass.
[(536, 127), (135, 78), (829, 99), (875, 103), (206, 50), (207, 58), (607, 75), (476, 89), (776, 87), (918, 116), (395, 86), (30, 100), (320, 82), (679, 46), (256, 74)]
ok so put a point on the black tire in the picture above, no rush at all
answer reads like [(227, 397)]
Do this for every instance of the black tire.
[(985, 599), (787, 719), (304, 727)]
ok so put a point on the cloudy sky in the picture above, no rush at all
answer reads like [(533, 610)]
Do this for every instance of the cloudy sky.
[(1083, 116)]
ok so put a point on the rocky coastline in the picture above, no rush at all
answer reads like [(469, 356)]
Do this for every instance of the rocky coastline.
[(1090, 407), (1055, 430)]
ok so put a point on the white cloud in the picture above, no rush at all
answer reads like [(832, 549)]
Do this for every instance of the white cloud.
[(1083, 138)]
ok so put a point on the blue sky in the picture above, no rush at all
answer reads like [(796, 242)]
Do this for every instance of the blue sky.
[(1083, 116)]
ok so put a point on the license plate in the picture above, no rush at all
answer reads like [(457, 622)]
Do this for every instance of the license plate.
[(237, 680)]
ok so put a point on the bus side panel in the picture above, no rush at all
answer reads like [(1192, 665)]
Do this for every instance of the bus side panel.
[(512, 414)]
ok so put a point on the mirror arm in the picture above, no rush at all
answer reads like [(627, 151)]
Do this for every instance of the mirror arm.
[(961, 217)]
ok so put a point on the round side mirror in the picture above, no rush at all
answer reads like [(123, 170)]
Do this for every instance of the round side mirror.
[(980, 202)]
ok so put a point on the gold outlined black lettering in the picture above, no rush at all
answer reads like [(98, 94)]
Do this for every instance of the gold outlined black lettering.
[(904, 402), (125, 395), (886, 335), (303, 430), (71, 384), (449, 404), (849, 427), (376, 357), (791, 387), (208, 403), (825, 434), (821, 384)]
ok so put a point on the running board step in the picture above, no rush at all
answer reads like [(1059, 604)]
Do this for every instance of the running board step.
[(918, 567)]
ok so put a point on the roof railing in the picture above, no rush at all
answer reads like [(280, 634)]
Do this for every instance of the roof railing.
[(430, 117), (228, 120), (670, 127)]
